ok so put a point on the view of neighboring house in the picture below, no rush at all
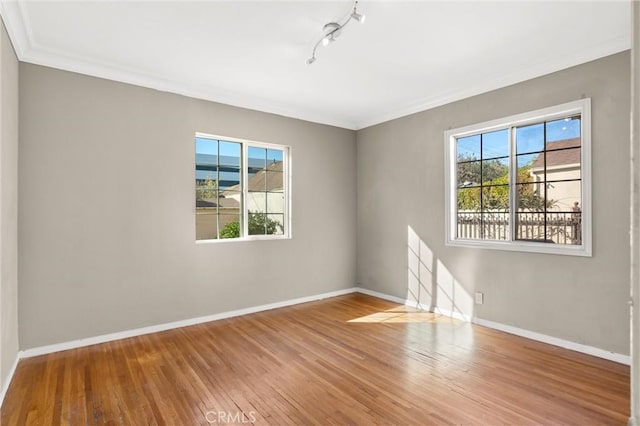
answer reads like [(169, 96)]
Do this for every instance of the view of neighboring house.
[(562, 174), (560, 222), (265, 191), (558, 169), (218, 204)]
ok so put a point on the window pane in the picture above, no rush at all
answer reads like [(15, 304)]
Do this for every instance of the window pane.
[(495, 226), (275, 202), (564, 196), (495, 171), (275, 224), (275, 156), (207, 147), (257, 223), (258, 182), (563, 163), (562, 222), (468, 148), (229, 178), (495, 144), (530, 226), (229, 226), (530, 138), (257, 158), (530, 168), (562, 144), (468, 224), (274, 181), (565, 228), (468, 174), (566, 128), (206, 226), (230, 154), (495, 199), (206, 193), (229, 202), (530, 197), (468, 199), (206, 159), (257, 201), (568, 172)]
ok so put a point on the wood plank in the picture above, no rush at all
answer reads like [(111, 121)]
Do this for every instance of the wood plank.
[(351, 359)]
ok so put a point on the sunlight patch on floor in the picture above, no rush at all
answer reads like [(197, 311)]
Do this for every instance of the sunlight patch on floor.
[(402, 314)]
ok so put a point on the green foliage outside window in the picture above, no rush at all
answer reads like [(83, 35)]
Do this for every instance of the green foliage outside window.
[(258, 224), (495, 190), (231, 230)]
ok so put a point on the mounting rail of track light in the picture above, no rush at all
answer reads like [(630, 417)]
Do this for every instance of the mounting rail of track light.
[(332, 31)]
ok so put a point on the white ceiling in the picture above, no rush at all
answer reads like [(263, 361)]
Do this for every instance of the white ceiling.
[(407, 57)]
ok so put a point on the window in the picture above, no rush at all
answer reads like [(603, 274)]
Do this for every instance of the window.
[(522, 183), (242, 189)]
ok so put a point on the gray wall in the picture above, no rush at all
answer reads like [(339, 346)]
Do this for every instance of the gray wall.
[(107, 214), (107, 238), (400, 185), (8, 206)]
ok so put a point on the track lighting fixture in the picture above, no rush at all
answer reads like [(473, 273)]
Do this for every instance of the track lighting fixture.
[(332, 31)]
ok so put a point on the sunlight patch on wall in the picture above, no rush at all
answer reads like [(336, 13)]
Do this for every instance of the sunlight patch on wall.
[(451, 295), (430, 284), (420, 276)]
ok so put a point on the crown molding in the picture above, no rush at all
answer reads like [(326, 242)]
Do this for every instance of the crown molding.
[(17, 25), (92, 67), (611, 47)]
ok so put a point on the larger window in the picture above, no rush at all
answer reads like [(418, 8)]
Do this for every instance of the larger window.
[(522, 183), (242, 189)]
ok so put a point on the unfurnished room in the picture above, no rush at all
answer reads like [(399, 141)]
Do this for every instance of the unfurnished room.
[(320, 212)]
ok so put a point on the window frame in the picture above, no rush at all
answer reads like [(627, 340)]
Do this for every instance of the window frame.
[(582, 107), (286, 171)]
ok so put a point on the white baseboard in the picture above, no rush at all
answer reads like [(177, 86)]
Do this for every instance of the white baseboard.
[(384, 296), (457, 315), (42, 350), (578, 347), (7, 382)]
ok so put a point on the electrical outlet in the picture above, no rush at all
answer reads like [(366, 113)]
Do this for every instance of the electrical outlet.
[(479, 298)]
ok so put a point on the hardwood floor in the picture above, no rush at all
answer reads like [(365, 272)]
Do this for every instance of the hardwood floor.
[(352, 359)]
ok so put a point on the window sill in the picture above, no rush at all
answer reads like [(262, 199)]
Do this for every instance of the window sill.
[(244, 239), (522, 246)]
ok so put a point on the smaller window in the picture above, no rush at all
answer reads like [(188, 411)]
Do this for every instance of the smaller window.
[(522, 182), (242, 189)]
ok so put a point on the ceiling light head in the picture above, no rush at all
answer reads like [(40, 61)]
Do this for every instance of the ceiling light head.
[(329, 39), (355, 15), (358, 17), (311, 60)]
